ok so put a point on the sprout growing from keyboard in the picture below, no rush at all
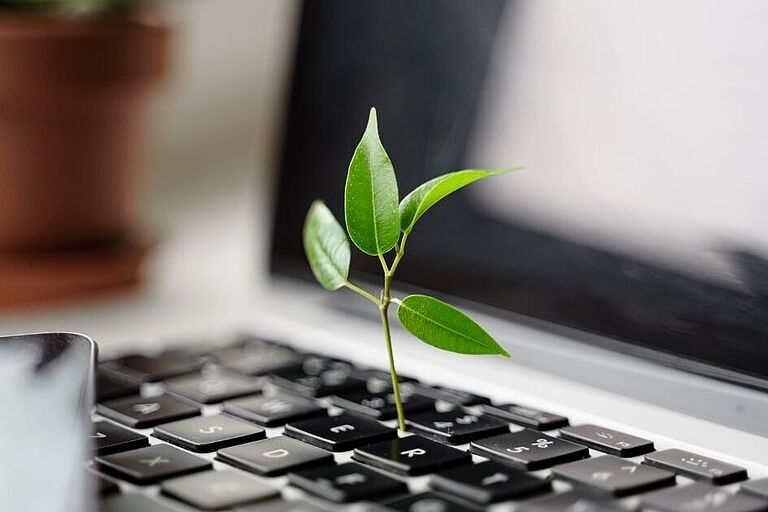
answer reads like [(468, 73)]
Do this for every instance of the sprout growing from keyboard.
[(380, 227)]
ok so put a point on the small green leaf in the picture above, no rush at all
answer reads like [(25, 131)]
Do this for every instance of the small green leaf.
[(443, 326), (423, 197), (370, 195), (326, 246)]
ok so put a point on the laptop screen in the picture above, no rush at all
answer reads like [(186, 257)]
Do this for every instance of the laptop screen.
[(641, 213)]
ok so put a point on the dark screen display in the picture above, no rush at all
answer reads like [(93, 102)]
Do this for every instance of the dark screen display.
[(430, 88)]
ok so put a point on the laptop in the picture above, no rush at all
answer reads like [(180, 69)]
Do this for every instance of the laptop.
[(634, 307)]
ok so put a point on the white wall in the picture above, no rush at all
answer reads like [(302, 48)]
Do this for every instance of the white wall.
[(213, 130), (642, 125)]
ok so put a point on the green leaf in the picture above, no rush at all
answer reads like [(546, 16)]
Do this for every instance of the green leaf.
[(326, 246), (370, 195), (443, 326), (423, 197)]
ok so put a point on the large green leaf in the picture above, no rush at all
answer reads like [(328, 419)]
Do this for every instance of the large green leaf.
[(326, 246), (427, 194), (443, 326), (370, 196)]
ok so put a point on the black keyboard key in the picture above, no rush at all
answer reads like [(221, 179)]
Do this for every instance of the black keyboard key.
[(138, 412), (282, 506), (526, 416), (455, 427), (216, 490), (109, 438), (105, 486), (702, 497), (328, 382), (314, 365), (273, 410), (529, 449), (571, 501), (339, 433), (258, 361), (134, 503), (380, 380), (209, 433), (450, 395), (381, 405), (109, 387), (346, 482), (274, 456), (614, 475), (138, 368), (412, 455), (213, 387), (757, 487), (429, 502), (607, 440), (488, 482), (696, 466), (151, 464)]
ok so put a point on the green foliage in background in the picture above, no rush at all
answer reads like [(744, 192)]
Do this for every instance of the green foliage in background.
[(70, 8), (378, 223)]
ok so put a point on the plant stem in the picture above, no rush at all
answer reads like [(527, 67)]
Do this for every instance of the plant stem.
[(400, 253), (383, 310), (362, 292)]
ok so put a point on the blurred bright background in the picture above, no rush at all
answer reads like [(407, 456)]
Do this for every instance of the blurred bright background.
[(640, 127), (214, 131)]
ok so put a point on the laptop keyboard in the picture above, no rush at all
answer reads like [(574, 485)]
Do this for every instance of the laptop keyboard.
[(262, 427)]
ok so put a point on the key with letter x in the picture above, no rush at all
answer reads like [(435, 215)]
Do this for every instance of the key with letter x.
[(412, 455), (151, 464)]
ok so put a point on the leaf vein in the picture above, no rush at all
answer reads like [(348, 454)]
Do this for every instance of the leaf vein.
[(462, 335)]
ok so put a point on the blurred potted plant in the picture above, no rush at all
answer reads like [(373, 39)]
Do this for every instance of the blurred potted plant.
[(75, 76)]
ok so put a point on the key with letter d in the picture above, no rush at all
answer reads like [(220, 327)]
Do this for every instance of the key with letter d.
[(274, 456)]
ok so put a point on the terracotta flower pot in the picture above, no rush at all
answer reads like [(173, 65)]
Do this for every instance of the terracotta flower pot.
[(73, 94), (72, 99)]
